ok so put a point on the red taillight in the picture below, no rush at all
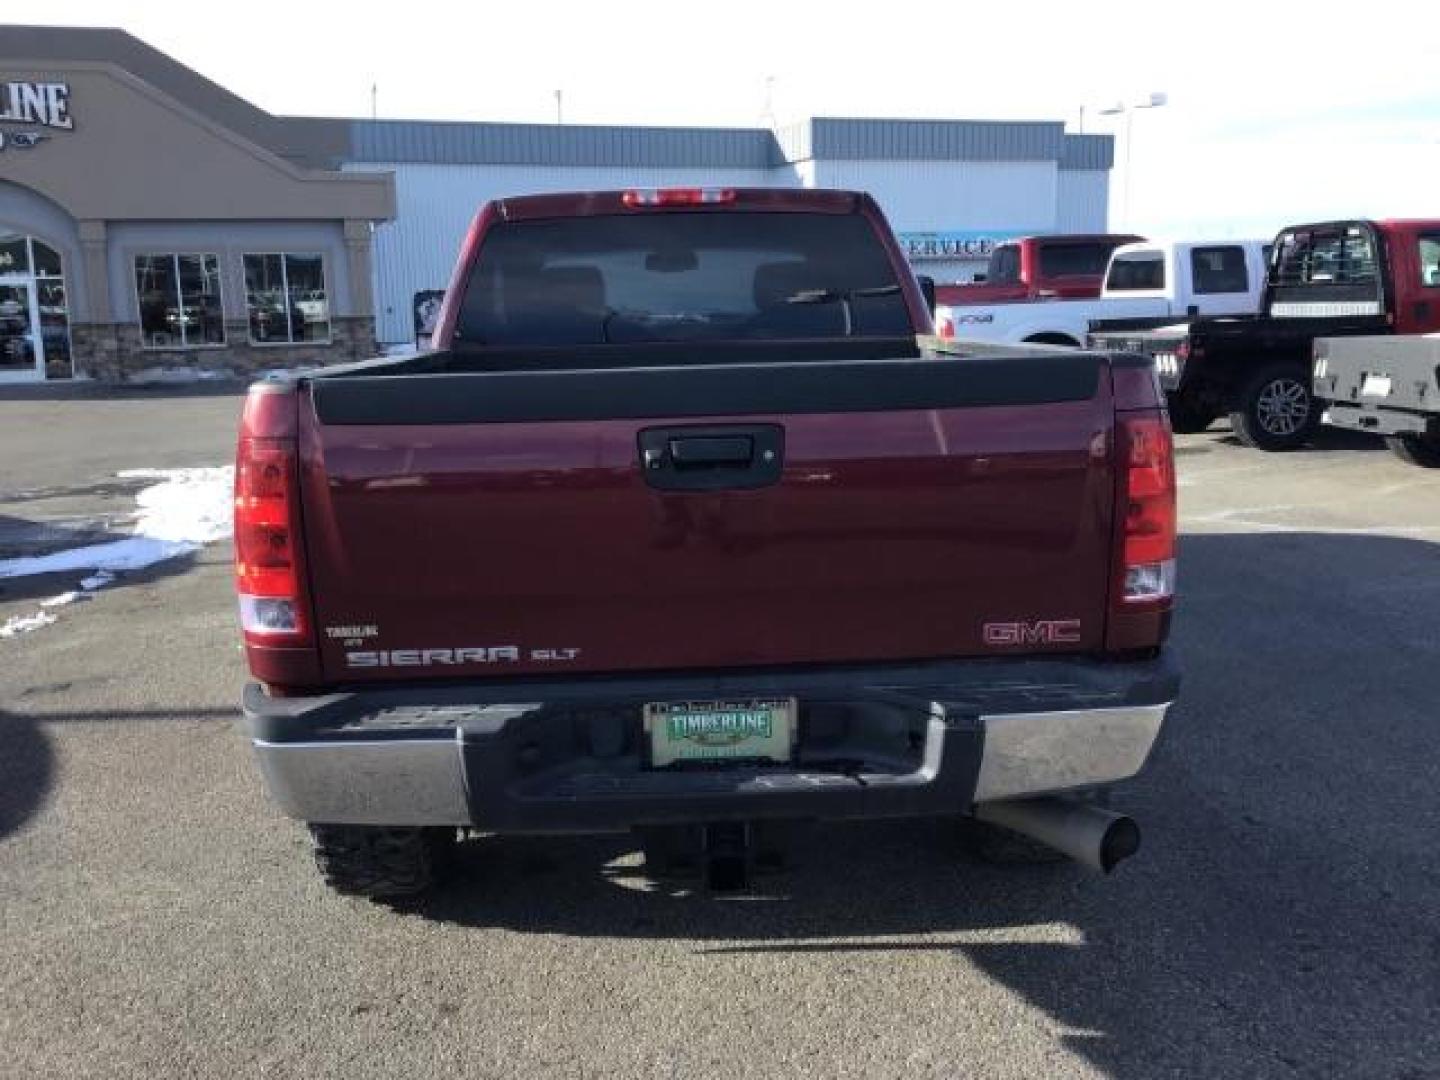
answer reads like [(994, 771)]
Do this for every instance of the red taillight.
[(267, 567), (678, 197), (1149, 505), (945, 327)]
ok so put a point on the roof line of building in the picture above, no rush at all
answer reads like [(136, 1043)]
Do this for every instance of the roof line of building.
[(327, 142), (448, 142)]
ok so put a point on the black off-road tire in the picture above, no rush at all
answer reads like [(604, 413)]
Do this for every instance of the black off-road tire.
[(1275, 409), (378, 861), (1419, 450), (1188, 417)]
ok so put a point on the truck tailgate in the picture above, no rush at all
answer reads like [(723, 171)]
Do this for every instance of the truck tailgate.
[(1384, 372), (507, 523)]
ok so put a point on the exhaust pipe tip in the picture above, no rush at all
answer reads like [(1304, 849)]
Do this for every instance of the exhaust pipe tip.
[(1098, 838), (1121, 840)]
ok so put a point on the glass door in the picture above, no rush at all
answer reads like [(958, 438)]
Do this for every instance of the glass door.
[(22, 350)]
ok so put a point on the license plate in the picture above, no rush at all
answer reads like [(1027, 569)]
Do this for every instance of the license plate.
[(1375, 386), (682, 731)]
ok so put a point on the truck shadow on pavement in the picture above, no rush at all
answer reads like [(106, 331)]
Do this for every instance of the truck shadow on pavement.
[(27, 770), (1281, 917)]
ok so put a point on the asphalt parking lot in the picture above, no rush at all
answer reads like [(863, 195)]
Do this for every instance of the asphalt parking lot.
[(158, 919)]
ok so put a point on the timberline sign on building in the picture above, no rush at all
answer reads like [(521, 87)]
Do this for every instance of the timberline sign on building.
[(44, 104)]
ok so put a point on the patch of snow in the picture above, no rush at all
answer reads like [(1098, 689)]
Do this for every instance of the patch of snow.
[(188, 506), (186, 510), (24, 624), (134, 553)]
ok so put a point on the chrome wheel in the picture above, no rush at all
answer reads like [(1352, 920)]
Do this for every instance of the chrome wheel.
[(1283, 406)]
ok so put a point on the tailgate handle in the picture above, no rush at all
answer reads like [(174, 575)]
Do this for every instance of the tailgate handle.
[(712, 457), (711, 450)]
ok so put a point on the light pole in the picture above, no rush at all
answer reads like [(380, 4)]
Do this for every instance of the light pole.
[(1154, 101)]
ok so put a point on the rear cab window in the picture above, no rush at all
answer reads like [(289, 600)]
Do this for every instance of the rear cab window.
[(1004, 266), (1219, 269), (1429, 251), (681, 277), (1070, 260), (1326, 270), (1136, 271)]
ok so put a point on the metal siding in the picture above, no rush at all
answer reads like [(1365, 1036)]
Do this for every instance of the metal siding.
[(440, 143), (926, 196), (435, 205), (844, 139), (824, 138), (919, 196), (1087, 152), (1083, 203)]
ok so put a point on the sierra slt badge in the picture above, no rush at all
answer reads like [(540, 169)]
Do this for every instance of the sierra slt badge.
[(491, 654), (1039, 632)]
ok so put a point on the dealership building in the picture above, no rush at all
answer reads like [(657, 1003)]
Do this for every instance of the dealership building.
[(150, 219)]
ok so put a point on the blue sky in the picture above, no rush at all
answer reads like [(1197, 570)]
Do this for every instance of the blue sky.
[(1278, 111)]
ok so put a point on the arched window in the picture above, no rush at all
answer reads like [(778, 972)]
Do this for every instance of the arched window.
[(44, 260), (34, 308)]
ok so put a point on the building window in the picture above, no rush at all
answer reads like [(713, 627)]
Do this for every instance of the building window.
[(34, 312), (287, 300), (1219, 270), (179, 298)]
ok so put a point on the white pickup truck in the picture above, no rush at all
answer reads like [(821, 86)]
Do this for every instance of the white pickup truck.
[(1151, 281)]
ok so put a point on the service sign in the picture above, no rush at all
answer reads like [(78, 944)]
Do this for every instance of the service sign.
[(38, 108), (953, 243)]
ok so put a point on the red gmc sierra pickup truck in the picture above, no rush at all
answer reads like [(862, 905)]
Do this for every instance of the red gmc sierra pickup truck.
[(687, 527)]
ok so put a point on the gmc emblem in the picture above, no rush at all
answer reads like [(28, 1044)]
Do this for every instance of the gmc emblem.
[(1040, 632)]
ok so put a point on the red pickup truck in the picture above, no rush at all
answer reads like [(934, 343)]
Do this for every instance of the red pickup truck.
[(687, 528), (1064, 267)]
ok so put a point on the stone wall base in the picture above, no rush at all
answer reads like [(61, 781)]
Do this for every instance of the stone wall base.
[(112, 352)]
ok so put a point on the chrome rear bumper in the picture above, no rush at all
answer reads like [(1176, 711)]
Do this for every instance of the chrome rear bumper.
[(466, 766), (1039, 753), (395, 782)]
